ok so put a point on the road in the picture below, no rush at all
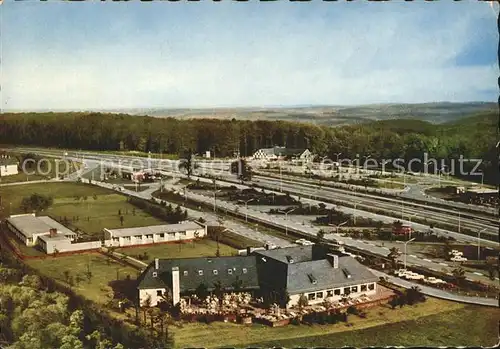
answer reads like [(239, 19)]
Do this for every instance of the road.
[(233, 226), (278, 220), (403, 211), (434, 292)]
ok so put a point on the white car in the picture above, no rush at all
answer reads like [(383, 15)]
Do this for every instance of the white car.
[(434, 281), (458, 259)]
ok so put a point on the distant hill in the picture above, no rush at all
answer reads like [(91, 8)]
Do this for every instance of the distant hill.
[(436, 113)]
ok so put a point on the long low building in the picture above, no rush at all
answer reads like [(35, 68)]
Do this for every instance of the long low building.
[(187, 230), (50, 235), (28, 228)]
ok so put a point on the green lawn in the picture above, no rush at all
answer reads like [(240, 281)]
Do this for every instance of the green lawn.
[(94, 214), (469, 326), (97, 214), (201, 248), (103, 271), (435, 322)]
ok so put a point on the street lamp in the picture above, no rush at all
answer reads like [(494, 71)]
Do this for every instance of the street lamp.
[(479, 242), (409, 219), (458, 220), (406, 243), (246, 209), (338, 226), (215, 202), (286, 218), (354, 216)]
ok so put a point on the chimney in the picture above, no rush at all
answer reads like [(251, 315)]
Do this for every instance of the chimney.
[(176, 289), (157, 264), (52, 232), (333, 259)]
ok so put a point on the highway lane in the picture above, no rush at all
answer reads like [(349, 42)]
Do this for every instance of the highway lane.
[(398, 209), (483, 214), (308, 190), (311, 231)]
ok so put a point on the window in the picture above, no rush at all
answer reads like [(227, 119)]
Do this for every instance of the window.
[(311, 296), (319, 295), (347, 290), (159, 293), (371, 287), (244, 270), (337, 292), (230, 271), (185, 273), (216, 272), (200, 272), (329, 293), (162, 235), (363, 288), (354, 289)]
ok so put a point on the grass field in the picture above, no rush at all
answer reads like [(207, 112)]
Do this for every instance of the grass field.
[(201, 248), (435, 322), (103, 272), (94, 214)]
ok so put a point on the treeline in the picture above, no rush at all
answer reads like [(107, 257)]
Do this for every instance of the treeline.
[(473, 137), (163, 211)]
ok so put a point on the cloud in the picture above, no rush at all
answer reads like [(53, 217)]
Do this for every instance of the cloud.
[(239, 58)]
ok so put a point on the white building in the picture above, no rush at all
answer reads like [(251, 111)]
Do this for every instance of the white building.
[(275, 153), (28, 228), (187, 230), (8, 166)]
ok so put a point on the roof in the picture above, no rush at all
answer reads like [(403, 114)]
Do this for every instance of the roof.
[(281, 151), (305, 264), (55, 224), (28, 225), (156, 229), (297, 253), (191, 280), (57, 237), (300, 276)]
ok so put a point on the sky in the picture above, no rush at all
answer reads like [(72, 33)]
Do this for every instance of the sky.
[(99, 55)]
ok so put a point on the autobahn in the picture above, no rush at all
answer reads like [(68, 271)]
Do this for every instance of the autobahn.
[(394, 208), (275, 220)]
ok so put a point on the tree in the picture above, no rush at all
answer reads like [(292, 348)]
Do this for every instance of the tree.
[(459, 275), (320, 235), (146, 304), (393, 255), (36, 202), (202, 291), (303, 301), (447, 250), (218, 291), (187, 163), (32, 281), (121, 220)]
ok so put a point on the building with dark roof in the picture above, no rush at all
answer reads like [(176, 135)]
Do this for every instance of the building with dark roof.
[(313, 272), (277, 274), (183, 276)]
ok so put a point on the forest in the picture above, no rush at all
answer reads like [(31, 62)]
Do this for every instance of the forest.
[(474, 137)]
